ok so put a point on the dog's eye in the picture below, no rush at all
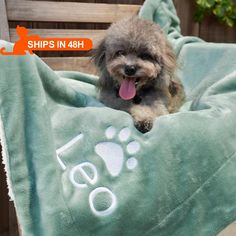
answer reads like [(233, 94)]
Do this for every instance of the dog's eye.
[(146, 56), (120, 53)]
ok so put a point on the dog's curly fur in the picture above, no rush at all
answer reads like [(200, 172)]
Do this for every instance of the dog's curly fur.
[(142, 45)]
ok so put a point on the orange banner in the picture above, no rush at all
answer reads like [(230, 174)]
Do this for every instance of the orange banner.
[(65, 44), (36, 43)]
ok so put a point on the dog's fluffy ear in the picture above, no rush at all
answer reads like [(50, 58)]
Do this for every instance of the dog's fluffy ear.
[(174, 88), (99, 54), (169, 60)]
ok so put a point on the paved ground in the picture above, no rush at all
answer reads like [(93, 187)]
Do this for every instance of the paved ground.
[(229, 231)]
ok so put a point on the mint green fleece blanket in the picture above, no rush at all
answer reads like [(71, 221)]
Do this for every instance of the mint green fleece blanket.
[(76, 167)]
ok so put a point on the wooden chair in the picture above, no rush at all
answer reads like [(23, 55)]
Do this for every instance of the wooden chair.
[(45, 11)]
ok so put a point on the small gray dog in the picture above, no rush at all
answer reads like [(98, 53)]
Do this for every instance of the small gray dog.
[(138, 71)]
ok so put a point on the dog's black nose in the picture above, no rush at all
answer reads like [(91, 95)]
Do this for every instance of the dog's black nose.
[(130, 70)]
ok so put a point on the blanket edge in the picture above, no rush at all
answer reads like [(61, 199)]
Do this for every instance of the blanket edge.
[(5, 158)]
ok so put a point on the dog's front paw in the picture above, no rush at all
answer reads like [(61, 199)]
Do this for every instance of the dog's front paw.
[(144, 125)]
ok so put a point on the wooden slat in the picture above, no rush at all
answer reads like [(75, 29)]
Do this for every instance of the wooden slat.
[(4, 213), (4, 28), (82, 64), (212, 31), (185, 11), (68, 11), (95, 35)]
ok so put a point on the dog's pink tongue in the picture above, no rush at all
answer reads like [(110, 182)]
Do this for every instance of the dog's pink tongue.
[(127, 89)]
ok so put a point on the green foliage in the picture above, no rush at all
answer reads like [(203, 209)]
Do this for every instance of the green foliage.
[(223, 10)]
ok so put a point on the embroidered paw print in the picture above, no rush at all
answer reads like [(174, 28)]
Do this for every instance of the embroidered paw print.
[(113, 154), (102, 200)]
